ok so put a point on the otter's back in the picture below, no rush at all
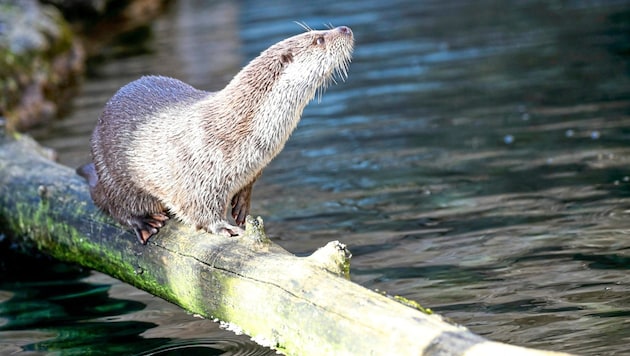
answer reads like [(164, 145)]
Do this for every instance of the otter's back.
[(143, 98), (135, 104)]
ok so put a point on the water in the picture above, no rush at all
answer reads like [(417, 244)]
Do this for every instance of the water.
[(63, 309), (477, 160)]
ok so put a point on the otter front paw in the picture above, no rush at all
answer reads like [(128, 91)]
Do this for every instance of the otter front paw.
[(147, 226), (224, 229)]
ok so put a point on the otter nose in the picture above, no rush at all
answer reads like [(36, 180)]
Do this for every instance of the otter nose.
[(345, 30)]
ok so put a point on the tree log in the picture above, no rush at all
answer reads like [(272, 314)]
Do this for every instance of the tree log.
[(297, 305)]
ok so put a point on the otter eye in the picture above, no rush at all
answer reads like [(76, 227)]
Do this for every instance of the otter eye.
[(286, 57), (319, 41)]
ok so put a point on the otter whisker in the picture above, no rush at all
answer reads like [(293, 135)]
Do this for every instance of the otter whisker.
[(320, 93), (303, 25), (341, 72), (333, 79)]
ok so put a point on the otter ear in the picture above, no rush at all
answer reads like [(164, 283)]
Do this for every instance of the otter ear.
[(286, 57)]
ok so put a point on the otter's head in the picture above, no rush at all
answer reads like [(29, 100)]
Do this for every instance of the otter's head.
[(315, 58), (301, 64), (263, 103)]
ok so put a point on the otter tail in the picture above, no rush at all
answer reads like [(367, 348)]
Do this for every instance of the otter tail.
[(88, 172)]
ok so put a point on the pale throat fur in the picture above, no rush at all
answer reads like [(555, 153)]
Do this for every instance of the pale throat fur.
[(277, 85)]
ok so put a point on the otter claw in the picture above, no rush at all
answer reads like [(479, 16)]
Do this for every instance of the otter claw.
[(162, 217), (147, 226), (144, 235), (156, 220), (240, 206), (239, 215), (234, 231)]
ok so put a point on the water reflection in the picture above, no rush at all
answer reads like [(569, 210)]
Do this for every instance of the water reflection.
[(52, 309), (476, 160), (59, 308)]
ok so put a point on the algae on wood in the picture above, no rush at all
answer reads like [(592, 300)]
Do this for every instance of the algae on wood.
[(300, 306)]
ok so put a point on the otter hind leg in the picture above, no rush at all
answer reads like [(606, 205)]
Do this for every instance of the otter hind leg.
[(147, 226)]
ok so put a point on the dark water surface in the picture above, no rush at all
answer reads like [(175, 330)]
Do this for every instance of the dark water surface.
[(477, 160)]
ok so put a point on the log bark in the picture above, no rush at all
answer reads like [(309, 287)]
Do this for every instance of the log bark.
[(297, 305)]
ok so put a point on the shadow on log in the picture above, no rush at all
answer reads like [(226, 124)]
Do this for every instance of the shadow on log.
[(299, 306)]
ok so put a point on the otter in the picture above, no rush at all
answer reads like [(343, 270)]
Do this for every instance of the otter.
[(162, 148)]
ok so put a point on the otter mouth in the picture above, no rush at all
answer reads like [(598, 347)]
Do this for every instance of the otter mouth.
[(340, 47)]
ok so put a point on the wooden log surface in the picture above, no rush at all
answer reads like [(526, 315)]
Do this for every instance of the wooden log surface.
[(297, 305)]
